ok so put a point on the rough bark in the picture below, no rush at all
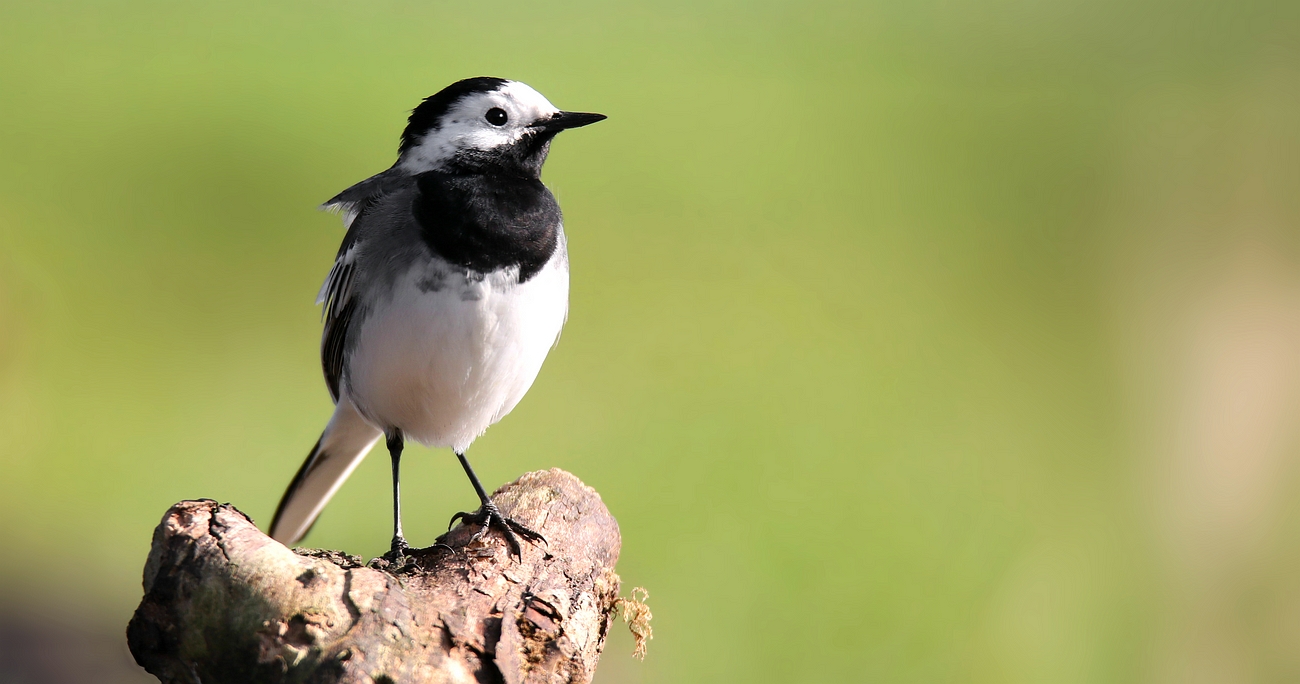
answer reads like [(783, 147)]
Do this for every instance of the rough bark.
[(224, 603)]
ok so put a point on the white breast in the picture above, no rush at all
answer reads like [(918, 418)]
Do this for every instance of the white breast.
[(447, 356)]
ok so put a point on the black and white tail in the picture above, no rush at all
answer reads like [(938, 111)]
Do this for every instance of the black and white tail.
[(337, 453)]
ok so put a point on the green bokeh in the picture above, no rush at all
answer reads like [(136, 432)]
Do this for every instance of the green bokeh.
[(866, 339)]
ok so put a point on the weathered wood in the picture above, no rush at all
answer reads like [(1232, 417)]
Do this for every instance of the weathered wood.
[(225, 604)]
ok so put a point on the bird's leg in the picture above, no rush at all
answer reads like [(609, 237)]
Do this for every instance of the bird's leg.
[(395, 444), (490, 516)]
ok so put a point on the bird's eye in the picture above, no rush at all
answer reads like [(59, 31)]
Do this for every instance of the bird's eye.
[(496, 116)]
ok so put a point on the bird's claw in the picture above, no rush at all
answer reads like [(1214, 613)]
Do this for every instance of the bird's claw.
[(490, 516), (398, 548)]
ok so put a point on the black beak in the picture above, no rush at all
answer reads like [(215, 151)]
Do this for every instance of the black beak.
[(561, 120)]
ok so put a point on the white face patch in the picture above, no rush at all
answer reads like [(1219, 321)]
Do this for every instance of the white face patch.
[(466, 127)]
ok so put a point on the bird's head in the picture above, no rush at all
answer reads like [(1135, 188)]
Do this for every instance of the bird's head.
[(484, 125)]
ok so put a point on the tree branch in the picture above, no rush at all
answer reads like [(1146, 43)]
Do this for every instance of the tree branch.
[(224, 603)]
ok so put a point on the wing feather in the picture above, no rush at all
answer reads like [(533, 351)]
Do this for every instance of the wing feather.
[(340, 302)]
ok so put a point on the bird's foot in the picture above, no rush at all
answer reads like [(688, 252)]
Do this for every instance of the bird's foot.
[(489, 516), (399, 547)]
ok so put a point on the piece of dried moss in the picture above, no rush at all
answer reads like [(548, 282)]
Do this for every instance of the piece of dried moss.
[(637, 616)]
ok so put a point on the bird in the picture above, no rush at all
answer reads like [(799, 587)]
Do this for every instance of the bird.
[(447, 293)]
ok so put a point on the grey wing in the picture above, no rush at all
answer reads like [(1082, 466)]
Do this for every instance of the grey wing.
[(340, 304), (351, 202), (337, 294)]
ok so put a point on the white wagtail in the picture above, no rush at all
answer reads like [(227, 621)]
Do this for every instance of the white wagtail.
[(450, 287)]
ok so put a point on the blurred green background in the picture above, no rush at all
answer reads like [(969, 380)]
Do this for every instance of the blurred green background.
[(909, 342)]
